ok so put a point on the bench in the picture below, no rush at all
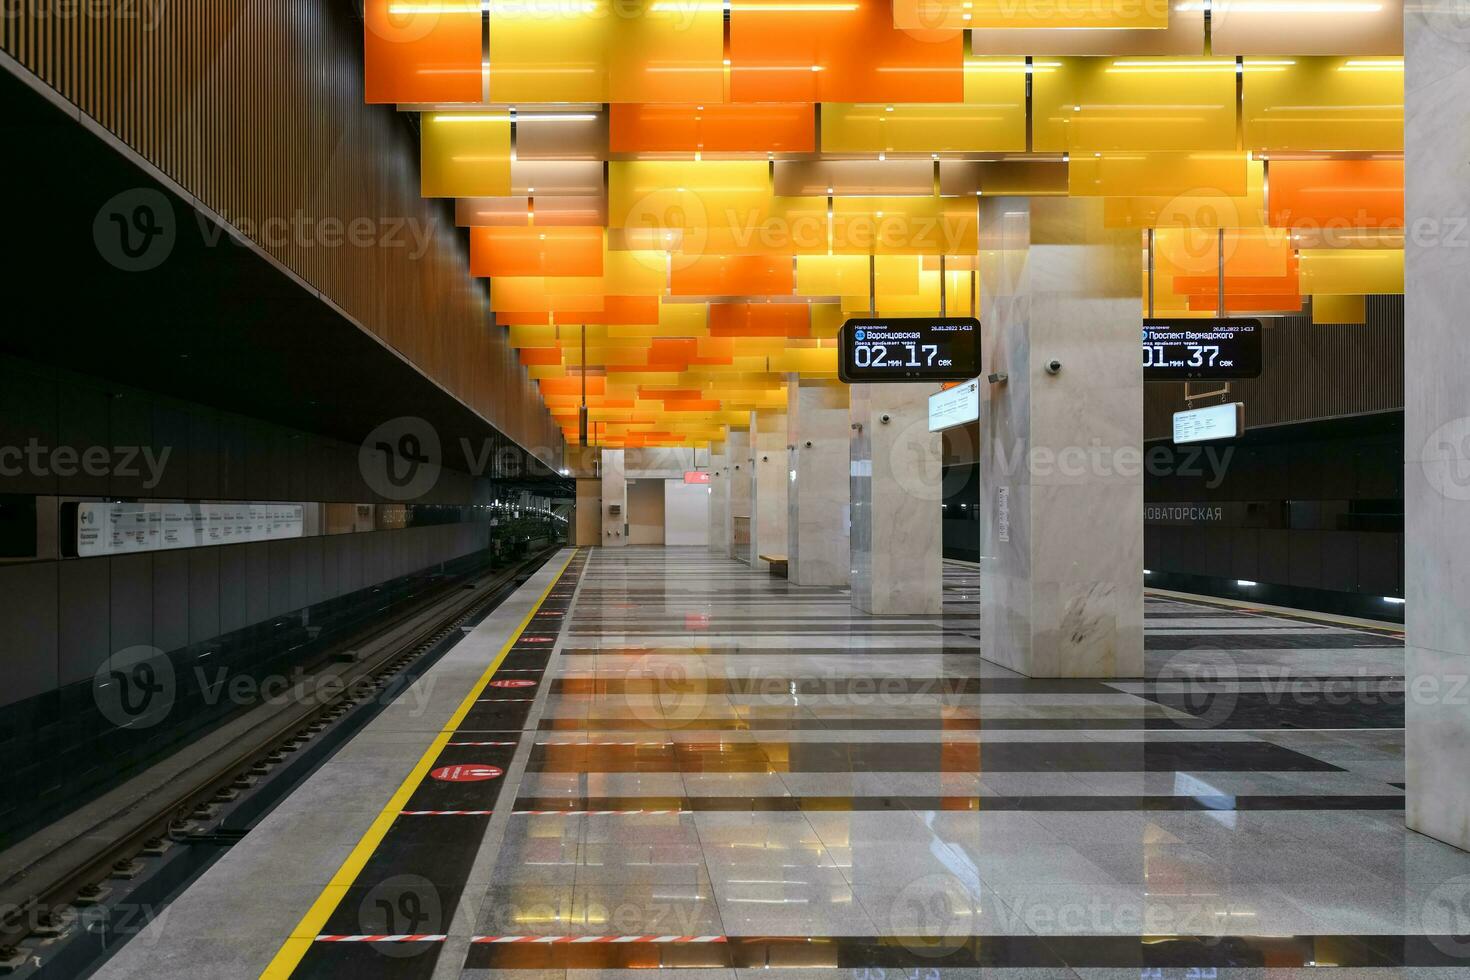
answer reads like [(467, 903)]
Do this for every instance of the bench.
[(778, 564)]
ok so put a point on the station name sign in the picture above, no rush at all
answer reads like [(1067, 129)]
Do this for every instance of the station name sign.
[(1201, 350), (877, 350)]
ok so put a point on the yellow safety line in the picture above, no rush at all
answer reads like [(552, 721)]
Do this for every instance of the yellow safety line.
[(315, 919)]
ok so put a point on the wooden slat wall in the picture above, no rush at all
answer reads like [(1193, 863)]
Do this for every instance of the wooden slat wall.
[(255, 107), (1311, 372)]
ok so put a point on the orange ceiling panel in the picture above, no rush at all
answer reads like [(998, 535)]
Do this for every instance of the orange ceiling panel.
[(839, 51), (669, 394), (432, 55), (596, 385), (759, 320), (1327, 194), (715, 352), (554, 251), (715, 128), (623, 310), (734, 275), (671, 353), (540, 355), (694, 405)]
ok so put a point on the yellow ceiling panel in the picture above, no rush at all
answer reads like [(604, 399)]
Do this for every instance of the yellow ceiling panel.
[(1336, 271), (465, 154), (1197, 210), (1007, 14), (601, 51), (997, 123), (1327, 308), (1154, 104), (1171, 174), (903, 225), (1324, 104)]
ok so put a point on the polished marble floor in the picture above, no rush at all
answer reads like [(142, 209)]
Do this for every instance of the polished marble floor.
[(665, 760), (720, 754)]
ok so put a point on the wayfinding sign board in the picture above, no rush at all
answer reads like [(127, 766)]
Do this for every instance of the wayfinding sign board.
[(959, 405), (1209, 424)]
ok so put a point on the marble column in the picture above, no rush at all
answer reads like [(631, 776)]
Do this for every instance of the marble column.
[(895, 478), (1437, 419), (719, 500), (769, 488), (738, 471), (1061, 474), (818, 523), (614, 499), (588, 530)]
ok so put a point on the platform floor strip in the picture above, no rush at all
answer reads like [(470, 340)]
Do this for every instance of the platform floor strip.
[(311, 925)]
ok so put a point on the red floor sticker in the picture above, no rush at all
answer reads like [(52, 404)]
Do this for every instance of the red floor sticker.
[(467, 774)]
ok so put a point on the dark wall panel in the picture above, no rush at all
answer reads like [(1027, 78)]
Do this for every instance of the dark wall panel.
[(84, 613), (171, 600), (28, 626), (1316, 508)]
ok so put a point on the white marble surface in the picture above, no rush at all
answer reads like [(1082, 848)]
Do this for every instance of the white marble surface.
[(614, 494), (1062, 576), (770, 488), (895, 478), (817, 531), (1437, 418), (719, 500), (738, 471), (659, 462)]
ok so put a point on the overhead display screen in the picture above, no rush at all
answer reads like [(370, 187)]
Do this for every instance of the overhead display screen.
[(919, 349), (1201, 350)]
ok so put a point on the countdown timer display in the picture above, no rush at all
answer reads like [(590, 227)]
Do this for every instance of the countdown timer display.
[(919, 349), (1201, 350)]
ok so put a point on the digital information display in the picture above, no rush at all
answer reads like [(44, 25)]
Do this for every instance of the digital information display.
[(1209, 424), (927, 349), (1201, 350)]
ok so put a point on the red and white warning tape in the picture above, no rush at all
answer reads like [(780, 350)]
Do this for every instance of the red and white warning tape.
[(459, 745), (425, 938), (578, 940), (666, 745), (593, 813), (445, 813)]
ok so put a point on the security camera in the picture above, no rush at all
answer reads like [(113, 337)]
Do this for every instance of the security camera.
[(885, 418), (1053, 367)]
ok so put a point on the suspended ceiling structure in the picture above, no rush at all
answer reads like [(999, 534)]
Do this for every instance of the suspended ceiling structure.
[(681, 201)]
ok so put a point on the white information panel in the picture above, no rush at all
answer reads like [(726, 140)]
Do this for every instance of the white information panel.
[(959, 405), (119, 529), (1207, 424)]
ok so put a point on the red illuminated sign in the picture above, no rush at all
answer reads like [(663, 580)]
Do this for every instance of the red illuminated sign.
[(696, 478)]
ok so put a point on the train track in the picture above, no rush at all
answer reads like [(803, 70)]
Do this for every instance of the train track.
[(64, 910)]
